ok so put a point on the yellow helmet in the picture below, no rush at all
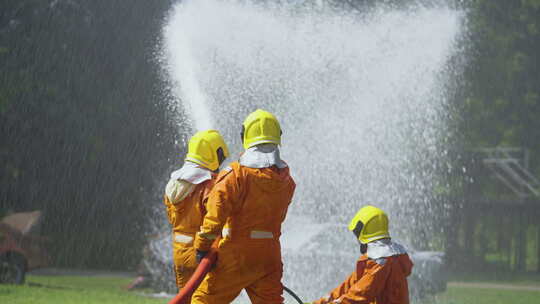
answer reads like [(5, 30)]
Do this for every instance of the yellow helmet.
[(370, 224), (208, 149), (260, 127)]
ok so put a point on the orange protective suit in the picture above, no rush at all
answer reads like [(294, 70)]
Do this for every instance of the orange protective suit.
[(380, 281), (249, 204), (186, 217)]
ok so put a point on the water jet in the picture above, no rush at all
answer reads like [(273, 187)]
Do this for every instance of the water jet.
[(361, 100)]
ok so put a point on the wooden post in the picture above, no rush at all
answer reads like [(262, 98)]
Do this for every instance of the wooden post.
[(521, 241), (538, 246), (468, 244), (514, 240), (483, 238), (509, 236), (500, 231), (452, 232)]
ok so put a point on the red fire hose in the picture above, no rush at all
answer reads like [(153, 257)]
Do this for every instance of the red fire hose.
[(204, 267)]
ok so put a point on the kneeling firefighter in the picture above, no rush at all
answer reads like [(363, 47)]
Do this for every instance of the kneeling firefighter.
[(382, 269), (186, 194), (247, 205)]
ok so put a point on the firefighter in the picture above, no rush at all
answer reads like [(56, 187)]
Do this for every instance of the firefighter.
[(382, 269), (247, 206), (186, 194)]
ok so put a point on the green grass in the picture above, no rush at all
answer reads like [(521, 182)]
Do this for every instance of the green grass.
[(497, 277), (73, 290), (108, 290), (461, 295)]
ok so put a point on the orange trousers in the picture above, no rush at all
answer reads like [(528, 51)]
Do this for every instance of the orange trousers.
[(184, 262), (253, 265)]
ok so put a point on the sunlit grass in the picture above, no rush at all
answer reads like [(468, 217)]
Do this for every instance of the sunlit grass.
[(498, 277), (73, 290), (108, 290), (462, 295)]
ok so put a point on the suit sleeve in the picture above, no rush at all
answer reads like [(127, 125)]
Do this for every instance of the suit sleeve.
[(221, 202), (170, 209), (370, 285), (177, 190), (342, 289)]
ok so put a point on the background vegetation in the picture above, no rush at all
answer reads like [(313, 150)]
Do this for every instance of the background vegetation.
[(502, 98), (85, 136), (83, 131)]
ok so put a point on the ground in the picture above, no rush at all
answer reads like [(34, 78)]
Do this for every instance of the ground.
[(486, 293), (106, 289), (492, 288), (73, 290)]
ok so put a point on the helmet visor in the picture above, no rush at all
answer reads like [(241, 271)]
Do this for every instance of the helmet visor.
[(220, 155), (358, 229)]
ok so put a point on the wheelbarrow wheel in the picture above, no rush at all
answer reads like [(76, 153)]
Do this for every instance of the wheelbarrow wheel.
[(12, 270)]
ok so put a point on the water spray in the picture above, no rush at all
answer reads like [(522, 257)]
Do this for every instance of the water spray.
[(362, 101)]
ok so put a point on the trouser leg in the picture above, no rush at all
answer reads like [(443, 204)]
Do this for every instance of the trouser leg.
[(217, 290), (268, 289)]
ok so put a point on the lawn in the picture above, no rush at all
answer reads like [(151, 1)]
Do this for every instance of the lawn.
[(108, 290), (73, 290), (514, 278), (461, 295), (464, 294)]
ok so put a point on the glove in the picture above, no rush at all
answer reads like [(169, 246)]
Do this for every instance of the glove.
[(200, 255)]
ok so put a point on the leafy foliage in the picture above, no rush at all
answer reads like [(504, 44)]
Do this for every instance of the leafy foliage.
[(84, 135), (503, 97), (86, 139)]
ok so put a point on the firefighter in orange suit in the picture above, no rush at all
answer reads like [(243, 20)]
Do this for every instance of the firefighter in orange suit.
[(381, 272), (247, 205), (186, 194)]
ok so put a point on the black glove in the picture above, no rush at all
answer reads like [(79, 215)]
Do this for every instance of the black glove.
[(200, 255)]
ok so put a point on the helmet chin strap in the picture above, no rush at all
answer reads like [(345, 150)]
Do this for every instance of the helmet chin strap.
[(242, 134), (363, 248)]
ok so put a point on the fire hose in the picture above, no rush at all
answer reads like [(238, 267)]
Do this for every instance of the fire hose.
[(297, 298), (204, 267)]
